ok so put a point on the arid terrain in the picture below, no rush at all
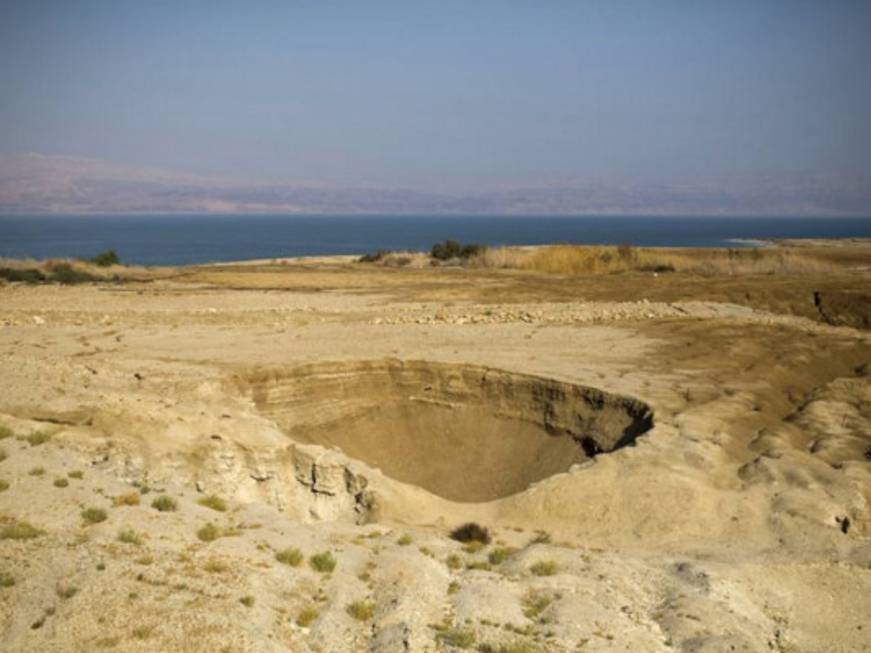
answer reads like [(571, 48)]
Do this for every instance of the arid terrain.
[(671, 451)]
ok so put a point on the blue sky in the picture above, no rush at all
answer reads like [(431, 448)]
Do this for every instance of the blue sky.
[(443, 95)]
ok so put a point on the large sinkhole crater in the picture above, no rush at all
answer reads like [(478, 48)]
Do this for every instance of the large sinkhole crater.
[(463, 432)]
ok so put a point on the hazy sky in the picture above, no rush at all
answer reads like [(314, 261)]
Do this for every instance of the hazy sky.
[(443, 94)]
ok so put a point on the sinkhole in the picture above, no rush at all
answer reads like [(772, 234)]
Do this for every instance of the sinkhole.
[(463, 432)]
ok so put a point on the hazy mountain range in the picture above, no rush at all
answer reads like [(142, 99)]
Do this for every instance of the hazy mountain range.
[(37, 183)]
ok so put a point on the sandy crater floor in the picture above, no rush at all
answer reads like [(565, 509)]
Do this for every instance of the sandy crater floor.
[(739, 522)]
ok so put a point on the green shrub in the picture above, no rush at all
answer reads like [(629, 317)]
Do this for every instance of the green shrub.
[(66, 274), (210, 532), (545, 568), (76, 474), (29, 275), (323, 562), (4, 485), (61, 482), (129, 536), (471, 532), (453, 561), (214, 502), (306, 617), (292, 557), (5, 432), (534, 603), (105, 259), (373, 258), (450, 249), (247, 601), (20, 530), (164, 503), (37, 438), (458, 637), (361, 610), (37, 471), (6, 580), (501, 554), (94, 515), (405, 540)]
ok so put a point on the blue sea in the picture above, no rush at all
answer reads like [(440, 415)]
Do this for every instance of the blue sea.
[(183, 239)]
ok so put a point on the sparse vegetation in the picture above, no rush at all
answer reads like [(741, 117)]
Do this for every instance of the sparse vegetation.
[(6, 579), (142, 632), (374, 258), (290, 556), (545, 568), (214, 502), (19, 530), (4, 485), (61, 482), (3, 455), (453, 561), (306, 617), (405, 540), (458, 637), (453, 587), (25, 275), (36, 438), (323, 562), (76, 474), (164, 503), (37, 471), (210, 532), (513, 647), (129, 536), (216, 567), (5, 432), (453, 249), (129, 499), (535, 602), (66, 274), (145, 560), (67, 591), (471, 532), (247, 601), (473, 547), (361, 610), (500, 554), (94, 515)]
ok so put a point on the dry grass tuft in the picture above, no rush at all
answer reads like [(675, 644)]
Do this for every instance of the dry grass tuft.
[(20, 530), (129, 536), (129, 499), (37, 438), (306, 617), (361, 610), (323, 562), (6, 432), (545, 568), (94, 515), (164, 503), (214, 502), (292, 557)]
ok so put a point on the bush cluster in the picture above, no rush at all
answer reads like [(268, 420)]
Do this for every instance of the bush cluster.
[(449, 249)]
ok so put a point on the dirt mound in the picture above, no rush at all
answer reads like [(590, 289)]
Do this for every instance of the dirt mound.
[(463, 432)]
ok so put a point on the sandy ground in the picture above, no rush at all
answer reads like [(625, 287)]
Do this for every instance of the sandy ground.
[(739, 522)]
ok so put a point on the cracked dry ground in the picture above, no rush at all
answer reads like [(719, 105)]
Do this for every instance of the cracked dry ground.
[(271, 458)]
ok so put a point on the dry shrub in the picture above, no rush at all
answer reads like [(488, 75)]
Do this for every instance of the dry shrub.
[(471, 532)]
